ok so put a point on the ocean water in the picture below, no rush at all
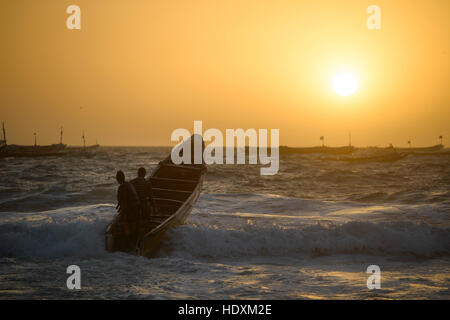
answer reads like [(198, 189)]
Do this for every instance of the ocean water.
[(309, 232)]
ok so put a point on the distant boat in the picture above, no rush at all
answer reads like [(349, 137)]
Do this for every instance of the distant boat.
[(15, 150), (83, 152), (88, 151), (93, 147), (60, 145), (392, 157), (372, 154), (434, 148), (30, 151), (318, 149), (440, 153), (84, 148)]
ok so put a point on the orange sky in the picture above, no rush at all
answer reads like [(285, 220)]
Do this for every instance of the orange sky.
[(139, 69)]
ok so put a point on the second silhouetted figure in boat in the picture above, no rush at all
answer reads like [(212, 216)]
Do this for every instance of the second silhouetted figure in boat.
[(144, 191), (128, 206)]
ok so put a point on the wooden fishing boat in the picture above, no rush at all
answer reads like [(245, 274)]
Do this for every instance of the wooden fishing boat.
[(442, 153), (30, 151), (378, 158), (435, 148), (175, 190), (319, 149), (82, 149)]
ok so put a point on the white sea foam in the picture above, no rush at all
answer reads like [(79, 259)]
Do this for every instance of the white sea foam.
[(227, 225), (77, 231), (389, 239), (244, 226)]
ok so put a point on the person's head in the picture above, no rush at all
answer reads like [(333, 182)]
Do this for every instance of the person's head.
[(120, 176), (141, 172)]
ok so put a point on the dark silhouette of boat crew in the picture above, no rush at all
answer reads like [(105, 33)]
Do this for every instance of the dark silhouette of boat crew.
[(128, 206), (144, 191)]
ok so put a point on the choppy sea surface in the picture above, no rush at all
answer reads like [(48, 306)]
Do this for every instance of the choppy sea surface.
[(309, 232)]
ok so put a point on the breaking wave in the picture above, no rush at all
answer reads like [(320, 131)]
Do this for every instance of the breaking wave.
[(79, 231), (388, 239), (76, 231)]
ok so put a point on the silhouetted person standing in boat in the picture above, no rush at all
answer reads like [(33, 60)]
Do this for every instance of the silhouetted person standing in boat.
[(144, 191), (128, 207)]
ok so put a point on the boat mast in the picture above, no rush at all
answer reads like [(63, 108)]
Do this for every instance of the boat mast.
[(4, 132), (35, 139), (61, 136), (84, 140)]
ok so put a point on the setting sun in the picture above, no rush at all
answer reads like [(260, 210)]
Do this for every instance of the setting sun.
[(345, 84)]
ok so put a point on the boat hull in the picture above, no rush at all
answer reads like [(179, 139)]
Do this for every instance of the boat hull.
[(385, 158), (6, 154), (175, 191), (150, 243), (435, 148), (319, 150)]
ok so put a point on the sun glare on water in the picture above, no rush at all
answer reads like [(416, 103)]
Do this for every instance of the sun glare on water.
[(345, 84)]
